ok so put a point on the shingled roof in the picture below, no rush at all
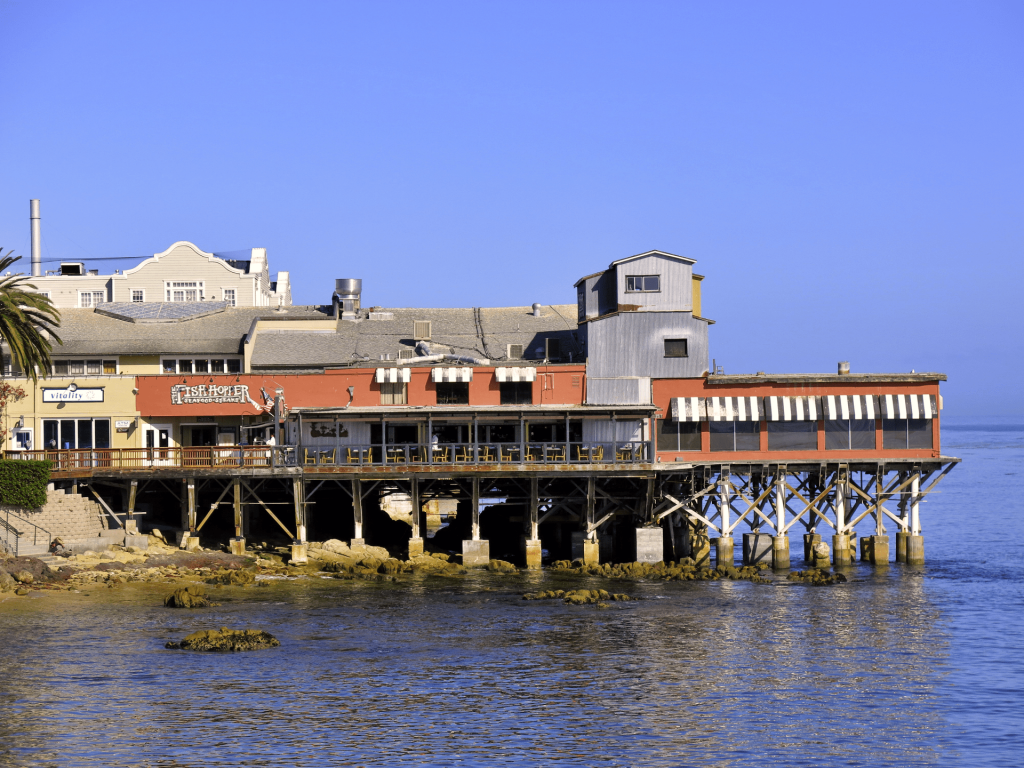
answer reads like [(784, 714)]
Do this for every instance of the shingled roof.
[(483, 332)]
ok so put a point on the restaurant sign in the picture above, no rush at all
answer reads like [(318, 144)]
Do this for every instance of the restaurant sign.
[(186, 394), (73, 394)]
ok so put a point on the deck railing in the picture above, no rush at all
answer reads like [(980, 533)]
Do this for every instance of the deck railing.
[(307, 456)]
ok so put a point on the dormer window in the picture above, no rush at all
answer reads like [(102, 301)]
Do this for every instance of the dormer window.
[(643, 284)]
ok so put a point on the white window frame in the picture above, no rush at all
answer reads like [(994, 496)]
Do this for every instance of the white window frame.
[(234, 297), (643, 278), (131, 295), (209, 360), (85, 365), (92, 295), (184, 285)]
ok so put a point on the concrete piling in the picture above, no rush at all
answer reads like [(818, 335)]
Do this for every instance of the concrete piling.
[(237, 546), (476, 553), (757, 548), (810, 539), (780, 552), (532, 549), (878, 547), (725, 551), (650, 545), (841, 553), (915, 550), (901, 546)]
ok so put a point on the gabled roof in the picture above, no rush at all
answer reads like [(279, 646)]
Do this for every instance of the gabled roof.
[(683, 259)]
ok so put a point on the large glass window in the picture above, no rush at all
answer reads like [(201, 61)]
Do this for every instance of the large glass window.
[(735, 435), (76, 433), (452, 393), (792, 435), (850, 434), (903, 434), (678, 435), (516, 392)]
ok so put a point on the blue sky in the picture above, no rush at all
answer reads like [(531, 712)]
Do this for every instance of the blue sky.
[(849, 176)]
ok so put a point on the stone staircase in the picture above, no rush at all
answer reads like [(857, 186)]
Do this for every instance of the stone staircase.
[(66, 515)]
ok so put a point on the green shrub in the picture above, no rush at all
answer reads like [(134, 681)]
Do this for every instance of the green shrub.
[(23, 483)]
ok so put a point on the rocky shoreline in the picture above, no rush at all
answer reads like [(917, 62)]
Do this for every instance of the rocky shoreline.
[(161, 563)]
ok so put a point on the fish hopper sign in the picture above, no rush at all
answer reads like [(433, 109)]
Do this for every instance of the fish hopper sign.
[(184, 394), (73, 394)]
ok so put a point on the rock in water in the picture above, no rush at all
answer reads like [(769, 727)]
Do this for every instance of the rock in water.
[(192, 596), (232, 576), (23, 577), (501, 566), (7, 582), (226, 640)]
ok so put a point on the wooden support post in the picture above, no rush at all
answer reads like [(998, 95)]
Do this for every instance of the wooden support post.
[(191, 485), (915, 541), (132, 492), (476, 508), (534, 508), (780, 542), (649, 502), (357, 512), (237, 544), (725, 553), (591, 534), (299, 549), (416, 539), (841, 552)]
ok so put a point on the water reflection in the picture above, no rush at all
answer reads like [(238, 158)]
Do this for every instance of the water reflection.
[(443, 673)]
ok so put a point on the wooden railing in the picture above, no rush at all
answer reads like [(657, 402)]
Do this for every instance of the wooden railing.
[(218, 457)]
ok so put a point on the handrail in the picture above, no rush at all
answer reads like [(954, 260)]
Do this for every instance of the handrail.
[(10, 529), (340, 454)]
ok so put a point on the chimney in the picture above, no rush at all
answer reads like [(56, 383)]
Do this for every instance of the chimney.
[(37, 247), (844, 368)]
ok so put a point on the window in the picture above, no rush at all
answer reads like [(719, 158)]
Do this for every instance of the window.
[(552, 349), (792, 435), (138, 296), (675, 348), (394, 393), (91, 298), (184, 291), (850, 435), (735, 435), (230, 297), (202, 365), (516, 392), (452, 393), (581, 304), (678, 435), (76, 433), (643, 284), (904, 434), (81, 367)]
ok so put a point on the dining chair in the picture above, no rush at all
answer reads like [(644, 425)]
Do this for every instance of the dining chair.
[(462, 455), (328, 457), (310, 456)]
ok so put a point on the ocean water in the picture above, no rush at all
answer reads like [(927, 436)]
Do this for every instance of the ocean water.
[(901, 666)]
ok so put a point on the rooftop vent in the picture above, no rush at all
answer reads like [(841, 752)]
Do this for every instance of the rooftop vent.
[(421, 330), (844, 368), (382, 315), (515, 351), (347, 293), (72, 268), (536, 310)]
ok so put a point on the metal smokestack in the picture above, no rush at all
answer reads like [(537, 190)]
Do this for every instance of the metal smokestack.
[(37, 246)]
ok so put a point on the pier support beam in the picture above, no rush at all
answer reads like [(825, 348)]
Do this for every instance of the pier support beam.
[(299, 549), (416, 539), (475, 551), (191, 540), (841, 553), (237, 544), (915, 542), (357, 514), (725, 550), (780, 552), (531, 542)]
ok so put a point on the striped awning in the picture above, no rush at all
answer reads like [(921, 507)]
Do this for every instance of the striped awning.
[(792, 408), (908, 406), (451, 374), (393, 375), (733, 408), (515, 374), (847, 407), (687, 409)]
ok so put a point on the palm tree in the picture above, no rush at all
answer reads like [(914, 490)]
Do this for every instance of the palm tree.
[(27, 322)]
